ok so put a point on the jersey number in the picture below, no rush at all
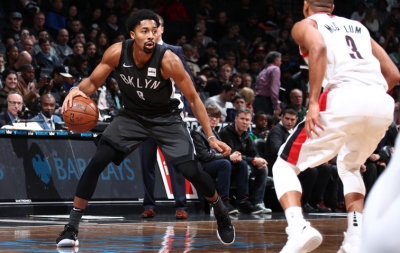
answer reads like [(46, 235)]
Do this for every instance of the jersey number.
[(352, 45)]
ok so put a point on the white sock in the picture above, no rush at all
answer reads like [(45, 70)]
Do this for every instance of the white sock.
[(354, 221), (294, 216)]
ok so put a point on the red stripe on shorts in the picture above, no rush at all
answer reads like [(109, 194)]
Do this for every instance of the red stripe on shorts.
[(295, 148)]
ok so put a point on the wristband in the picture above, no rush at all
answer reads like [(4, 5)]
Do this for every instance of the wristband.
[(75, 87), (254, 161), (212, 136)]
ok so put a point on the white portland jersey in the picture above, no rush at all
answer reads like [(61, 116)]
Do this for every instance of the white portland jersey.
[(350, 58)]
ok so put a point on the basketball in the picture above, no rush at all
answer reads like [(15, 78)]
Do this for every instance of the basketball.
[(82, 116)]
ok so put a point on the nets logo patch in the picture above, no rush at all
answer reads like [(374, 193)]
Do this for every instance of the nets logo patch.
[(151, 72)]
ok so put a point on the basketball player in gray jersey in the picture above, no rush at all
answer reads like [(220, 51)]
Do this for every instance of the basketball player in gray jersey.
[(145, 70)]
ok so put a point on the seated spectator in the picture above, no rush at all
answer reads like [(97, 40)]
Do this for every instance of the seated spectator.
[(44, 58), (296, 99), (214, 86), (9, 81), (22, 59), (11, 55), (23, 35), (359, 14), (44, 34), (15, 104), (224, 168), (238, 101), (237, 138), (248, 95), (260, 131), (56, 85), (48, 106), (110, 99), (55, 18), (80, 62), (61, 46), (77, 49), (26, 85), (247, 82), (237, 80), (102, 42), (222, 101)]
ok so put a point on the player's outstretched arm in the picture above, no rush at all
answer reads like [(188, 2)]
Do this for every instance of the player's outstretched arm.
[(388, 68), (172, 67), (90, 84), (310, 40)]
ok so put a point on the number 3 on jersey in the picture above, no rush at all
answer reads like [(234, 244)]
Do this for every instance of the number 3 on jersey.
[(352, 45)]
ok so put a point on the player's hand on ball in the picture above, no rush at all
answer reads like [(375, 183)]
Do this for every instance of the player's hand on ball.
[(68, 99), (220, 146)]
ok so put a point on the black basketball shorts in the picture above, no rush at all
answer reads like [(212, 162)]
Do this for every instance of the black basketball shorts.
[(126, 133)]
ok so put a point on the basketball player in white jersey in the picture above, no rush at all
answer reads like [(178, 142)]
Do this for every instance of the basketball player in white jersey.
[(349, 119)]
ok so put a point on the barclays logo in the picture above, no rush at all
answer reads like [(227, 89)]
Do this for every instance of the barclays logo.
[(86, 135), (62, 133), (42, 168)]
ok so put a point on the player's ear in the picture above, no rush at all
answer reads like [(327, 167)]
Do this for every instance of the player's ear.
[(132, 34)]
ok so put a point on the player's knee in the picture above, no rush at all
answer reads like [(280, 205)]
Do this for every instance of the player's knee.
[(351, 178), (190, 170), (285, 177)]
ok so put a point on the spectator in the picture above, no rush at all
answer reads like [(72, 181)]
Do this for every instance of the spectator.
[(23, 58), (23, 35), (94, 20), (237, 80), (222, 101), (214, 87), (237, 137), (254, 70), (77, 49), (220, 28), (76, 26), (111, 28), (243, 66), (89, 51), (55, 18), (371, 22), (260, 54), (11, 55), (296, 99), (102, 42), (92, 34), (9, 81), (267, 86), (48, 106), (110, 99), (188, 52), (61, 46), (56, 85), (229, 43), (80, 37), (80, 62), (44, 34), (44, 58), (211, 50), (359, 14), (299, 81), (109, 7), (238, 101), (215, 164), (26, 85), (248, 95), (382, 13), (230, 58), (14, 106), (38, 23), (389, 40), (14, 29), (213, 63), (260, 131), (247, 81)]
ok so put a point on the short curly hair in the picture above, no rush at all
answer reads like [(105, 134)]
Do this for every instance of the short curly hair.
[(136, 17)]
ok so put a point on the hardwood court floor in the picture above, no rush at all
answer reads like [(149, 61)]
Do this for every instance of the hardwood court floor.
[(262, 233)]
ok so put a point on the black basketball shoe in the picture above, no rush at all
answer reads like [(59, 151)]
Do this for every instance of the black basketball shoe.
[(225, 231), (68, 237)]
